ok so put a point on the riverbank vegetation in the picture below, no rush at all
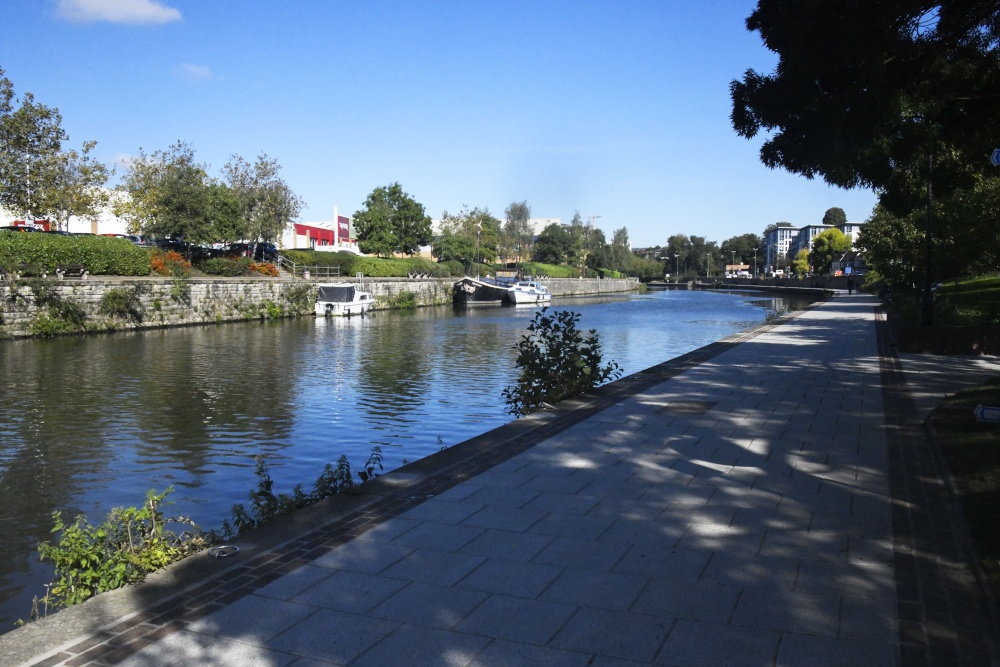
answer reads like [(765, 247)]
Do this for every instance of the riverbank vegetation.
[(556, 361), (970, 448), (132, 542), (129, 544)]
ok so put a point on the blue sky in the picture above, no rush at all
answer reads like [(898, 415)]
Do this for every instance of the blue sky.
[(617, 109)]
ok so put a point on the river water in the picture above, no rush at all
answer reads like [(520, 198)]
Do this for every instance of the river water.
[(91, 423)]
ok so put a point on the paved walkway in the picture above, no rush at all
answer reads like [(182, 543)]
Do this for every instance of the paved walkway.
[(734, 507)]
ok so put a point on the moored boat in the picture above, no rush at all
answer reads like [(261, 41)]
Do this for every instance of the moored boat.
[(480, 292), (529, 291), (343, 299)]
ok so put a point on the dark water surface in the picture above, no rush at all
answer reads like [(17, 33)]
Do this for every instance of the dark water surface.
[(90, 423)]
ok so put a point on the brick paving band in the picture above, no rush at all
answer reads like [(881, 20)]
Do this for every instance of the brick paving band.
[(944, 611)]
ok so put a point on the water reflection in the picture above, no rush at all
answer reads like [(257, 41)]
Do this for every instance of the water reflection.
[(87, 424)]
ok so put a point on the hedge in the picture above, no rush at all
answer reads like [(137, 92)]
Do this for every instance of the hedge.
[(101, 255), (374, 267)]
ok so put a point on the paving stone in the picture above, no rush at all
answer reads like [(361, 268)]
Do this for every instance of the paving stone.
[(445, 511), (433, 567), (697, 601), (799, 649), (787, 611), (449, 537), (242, 618), (586, 554), (350, 591), (614, 634), (291, 584), (423, 647), (506, 654), (520, 579), (599, 590), (517, 619), (332, 635), (507, 545), (699, 644), (433, 606), (656, 560), (363, 556), (499, 517)]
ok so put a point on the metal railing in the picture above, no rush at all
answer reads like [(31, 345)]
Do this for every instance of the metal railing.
[(307, 271)]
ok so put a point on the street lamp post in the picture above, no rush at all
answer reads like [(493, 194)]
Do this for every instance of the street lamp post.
[(708, 265), (755, 261)]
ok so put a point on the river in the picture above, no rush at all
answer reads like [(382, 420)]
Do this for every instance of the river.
[(90, 423)]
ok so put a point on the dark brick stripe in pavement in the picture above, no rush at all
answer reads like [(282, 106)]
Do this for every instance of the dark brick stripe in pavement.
[(944, 613)]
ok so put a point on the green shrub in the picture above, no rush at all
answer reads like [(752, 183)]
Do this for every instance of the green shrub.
[(124, 303), (129, 544), (374, 267), (101, 255), (404, 300), (224, 266), (557, 362), (265, 505), (61, 316), (453, 267)]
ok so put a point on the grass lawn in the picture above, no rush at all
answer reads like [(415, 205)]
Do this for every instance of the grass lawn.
[(972, 450), (975, 301)]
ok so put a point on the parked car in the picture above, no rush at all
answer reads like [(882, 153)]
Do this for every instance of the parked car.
[(264, 252), (17, 228)]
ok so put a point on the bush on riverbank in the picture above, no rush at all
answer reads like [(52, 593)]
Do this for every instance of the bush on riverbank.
[(557, 362), (131, 543), (101, 255)]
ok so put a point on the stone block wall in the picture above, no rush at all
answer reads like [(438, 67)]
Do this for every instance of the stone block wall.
[(32, 306)]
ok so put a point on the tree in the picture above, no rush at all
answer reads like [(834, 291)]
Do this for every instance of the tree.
[(553, 246), (470, 236), (517, 235), (801, 262), (865, 91), (835, 217), (826, 247), (740, 249), (880, 95), (266, 202), (620, 250), (392, 221), (892, 245), (31, 137), (166, 195), (77, 188)]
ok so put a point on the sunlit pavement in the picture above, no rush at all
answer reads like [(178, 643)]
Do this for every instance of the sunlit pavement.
[(776, 504)]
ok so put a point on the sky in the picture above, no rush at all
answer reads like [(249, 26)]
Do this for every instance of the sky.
[(616, 109)]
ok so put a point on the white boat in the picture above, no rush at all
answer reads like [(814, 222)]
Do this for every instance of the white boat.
[(343, 299), (529, 291)]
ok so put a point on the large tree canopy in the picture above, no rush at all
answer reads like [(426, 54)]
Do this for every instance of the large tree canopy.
[(469, 236), (392, 221), (516, 234), (37, 176), (827, 247), (865, 92), (266, 203)]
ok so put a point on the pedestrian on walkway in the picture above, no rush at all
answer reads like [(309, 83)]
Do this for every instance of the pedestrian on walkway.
[(850, 284)]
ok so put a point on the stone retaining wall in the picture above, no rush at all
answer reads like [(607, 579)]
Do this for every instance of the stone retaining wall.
[(31, 306)]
